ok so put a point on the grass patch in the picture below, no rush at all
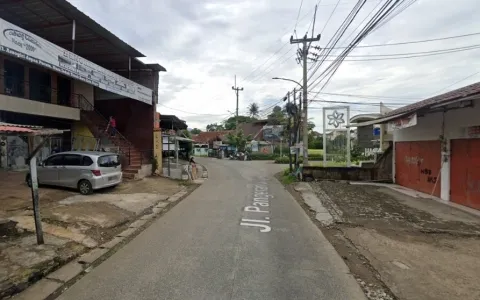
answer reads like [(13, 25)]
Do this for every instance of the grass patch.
[(315, 151), (329, 163), (286, 177)]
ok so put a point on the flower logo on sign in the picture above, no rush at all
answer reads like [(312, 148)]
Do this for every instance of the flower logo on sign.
[(335, 119)]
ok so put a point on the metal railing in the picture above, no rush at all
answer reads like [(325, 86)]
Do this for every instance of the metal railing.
[(16, 87), (79, 101)]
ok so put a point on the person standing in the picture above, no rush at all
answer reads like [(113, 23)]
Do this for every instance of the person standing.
[(112, 126), (193, 167)]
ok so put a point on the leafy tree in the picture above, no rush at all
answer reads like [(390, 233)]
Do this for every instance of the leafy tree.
[(230, 123), (315, 141), (239, 140), (253, 110), (185, 133), (278, 116), (215, 127), (195, 131)]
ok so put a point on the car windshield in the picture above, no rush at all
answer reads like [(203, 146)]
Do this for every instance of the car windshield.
[(109, 161)]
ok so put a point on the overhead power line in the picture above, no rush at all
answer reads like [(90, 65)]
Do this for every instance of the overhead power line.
[(414, 42)]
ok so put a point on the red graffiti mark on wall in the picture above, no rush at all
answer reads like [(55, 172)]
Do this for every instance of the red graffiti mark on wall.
[(413, 160)]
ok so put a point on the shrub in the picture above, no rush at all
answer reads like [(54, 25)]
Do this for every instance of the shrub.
[(284, 160), (263, 156)]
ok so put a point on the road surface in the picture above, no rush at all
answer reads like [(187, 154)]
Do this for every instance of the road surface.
[(208, 247)]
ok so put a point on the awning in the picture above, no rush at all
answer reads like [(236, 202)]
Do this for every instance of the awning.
[(377, 121), (182, 139), (28, 130)]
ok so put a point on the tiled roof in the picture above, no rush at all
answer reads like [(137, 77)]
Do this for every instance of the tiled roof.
[(209, 136), (460, 93)]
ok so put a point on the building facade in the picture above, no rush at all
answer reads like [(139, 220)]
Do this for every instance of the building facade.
[(437, 145), (63, 70)]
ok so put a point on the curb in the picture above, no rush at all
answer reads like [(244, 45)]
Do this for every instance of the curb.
[(58, 281), (322, 214)]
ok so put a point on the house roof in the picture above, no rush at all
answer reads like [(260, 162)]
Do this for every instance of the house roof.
[(209, 136), (17, 129), (458, 94), (464, 93), (172, 122), (53, 19)]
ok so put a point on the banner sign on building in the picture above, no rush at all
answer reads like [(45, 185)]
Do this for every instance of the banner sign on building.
[(272, 133), (404, 122), (27, 46)]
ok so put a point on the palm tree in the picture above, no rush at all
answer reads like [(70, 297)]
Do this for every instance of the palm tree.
[(253, 110)]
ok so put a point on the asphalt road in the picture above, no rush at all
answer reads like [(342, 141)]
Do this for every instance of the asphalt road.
[(200, 250)]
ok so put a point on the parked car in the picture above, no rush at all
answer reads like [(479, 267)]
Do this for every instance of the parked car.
[(84, 170)]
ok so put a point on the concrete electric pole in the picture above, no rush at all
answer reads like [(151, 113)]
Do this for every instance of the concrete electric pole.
[(305, 41), (236, 89)]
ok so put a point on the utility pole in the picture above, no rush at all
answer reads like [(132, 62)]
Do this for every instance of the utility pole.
[(289, 126), (304, 41), (236, 89), (297, 134)]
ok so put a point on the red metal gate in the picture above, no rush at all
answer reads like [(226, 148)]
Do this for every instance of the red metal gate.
[(417, 165), (465, 172)]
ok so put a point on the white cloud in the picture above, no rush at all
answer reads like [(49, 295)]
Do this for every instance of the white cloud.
[(204, 43)]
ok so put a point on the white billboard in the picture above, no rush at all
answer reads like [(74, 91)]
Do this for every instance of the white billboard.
[(22, 44)]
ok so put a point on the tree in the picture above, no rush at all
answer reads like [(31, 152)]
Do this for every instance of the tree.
[(278, 116), (315, 141), (253, 110), (215, 127), (230, 123), (185, 133), (239, 140), (195, 131)]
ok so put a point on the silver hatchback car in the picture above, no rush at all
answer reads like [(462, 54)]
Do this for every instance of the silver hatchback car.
[(84, 170)]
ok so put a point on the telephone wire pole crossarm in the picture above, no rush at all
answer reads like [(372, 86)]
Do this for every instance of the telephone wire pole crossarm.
[(305, 41)]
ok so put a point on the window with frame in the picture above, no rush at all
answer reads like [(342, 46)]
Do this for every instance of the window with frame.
[(56, 160), (72, 160), (87, 161)]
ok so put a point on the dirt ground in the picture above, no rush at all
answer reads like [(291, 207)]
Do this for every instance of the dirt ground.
[(72, 223), (400, 247)]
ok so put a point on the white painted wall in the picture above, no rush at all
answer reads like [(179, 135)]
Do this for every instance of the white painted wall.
[(429, 128), (84, 89)]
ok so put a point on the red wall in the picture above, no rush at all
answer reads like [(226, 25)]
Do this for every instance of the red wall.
[(134, 120)]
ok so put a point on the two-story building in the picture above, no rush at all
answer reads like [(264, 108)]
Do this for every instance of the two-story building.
[(62, 70)]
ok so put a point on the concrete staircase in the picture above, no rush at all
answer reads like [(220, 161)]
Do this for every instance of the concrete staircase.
[(131, 157)]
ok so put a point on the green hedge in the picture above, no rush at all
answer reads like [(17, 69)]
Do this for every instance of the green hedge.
[(263, 156), (284, 160)]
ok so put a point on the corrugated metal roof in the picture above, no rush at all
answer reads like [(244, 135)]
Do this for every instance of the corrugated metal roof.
[(15, 129), (52, 20), (209, 136), (19, 129), (464, 92)]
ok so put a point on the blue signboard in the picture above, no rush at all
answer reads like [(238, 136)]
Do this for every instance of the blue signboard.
[(376, 131)]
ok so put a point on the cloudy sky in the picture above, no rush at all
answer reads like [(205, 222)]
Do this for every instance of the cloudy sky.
[(204, 43)]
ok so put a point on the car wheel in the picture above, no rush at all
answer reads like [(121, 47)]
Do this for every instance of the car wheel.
[(85, 187), (28, 180)]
